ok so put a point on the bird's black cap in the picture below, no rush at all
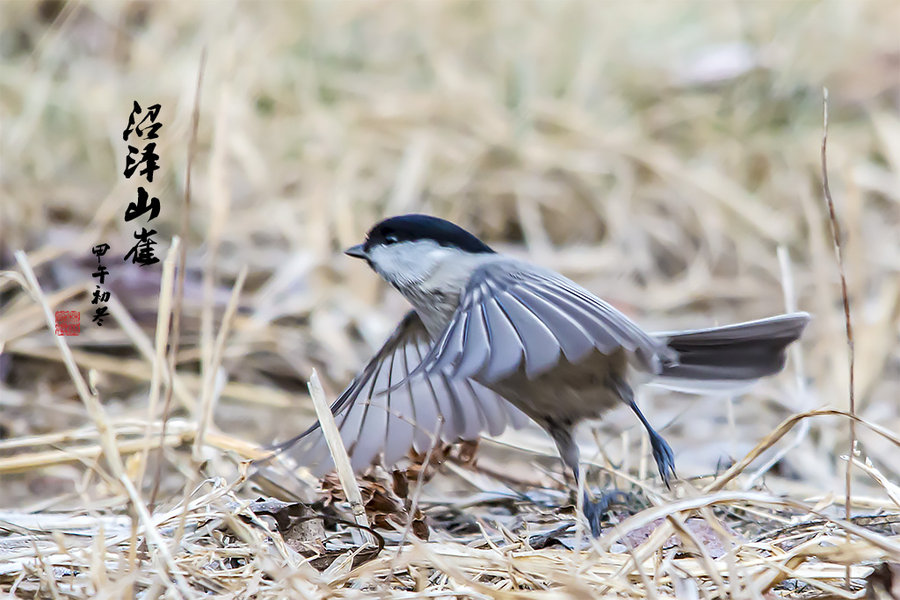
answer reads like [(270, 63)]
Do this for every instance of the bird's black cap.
[(406, 228)]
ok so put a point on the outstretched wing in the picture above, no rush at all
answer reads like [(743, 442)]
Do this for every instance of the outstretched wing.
[(380, 420), (514, 316)]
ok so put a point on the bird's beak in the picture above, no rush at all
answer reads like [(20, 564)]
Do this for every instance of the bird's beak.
[(357, 251)]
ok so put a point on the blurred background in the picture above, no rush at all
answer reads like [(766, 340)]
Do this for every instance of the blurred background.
[(666, 156)]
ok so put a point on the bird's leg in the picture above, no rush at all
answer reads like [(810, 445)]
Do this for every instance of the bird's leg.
[(662, 453), (568, 450)]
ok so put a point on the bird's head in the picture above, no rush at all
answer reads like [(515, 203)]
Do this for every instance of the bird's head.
[(409, 249)]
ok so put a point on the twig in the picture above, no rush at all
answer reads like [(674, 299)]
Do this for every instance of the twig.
[(182, 259), (839, 254), (140, 339), (420, 481), (579, 506), (218, 204), (24, 461), (417, 492), (163, 314), (212, 389), (208, 396)]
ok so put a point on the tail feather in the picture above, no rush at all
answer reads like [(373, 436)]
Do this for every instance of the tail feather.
[(729, 356)]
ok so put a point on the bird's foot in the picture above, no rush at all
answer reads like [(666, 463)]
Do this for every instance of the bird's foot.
[(594, 510), (664, 457)]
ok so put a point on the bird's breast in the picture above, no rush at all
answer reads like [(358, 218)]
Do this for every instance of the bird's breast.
[(434, 307)]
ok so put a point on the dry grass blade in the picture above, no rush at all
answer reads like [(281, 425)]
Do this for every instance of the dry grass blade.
[(671, 161), (338, 454), (845, 300), (736, 469)]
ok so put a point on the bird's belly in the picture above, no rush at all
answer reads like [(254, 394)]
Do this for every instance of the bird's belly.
[(569, 392)]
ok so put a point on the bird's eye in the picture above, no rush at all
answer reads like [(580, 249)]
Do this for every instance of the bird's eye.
[(390, 239)]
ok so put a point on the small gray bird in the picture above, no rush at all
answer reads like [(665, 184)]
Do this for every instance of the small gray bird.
[(492, 340)]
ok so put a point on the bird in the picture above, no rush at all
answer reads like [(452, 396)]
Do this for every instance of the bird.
[(493, 341)]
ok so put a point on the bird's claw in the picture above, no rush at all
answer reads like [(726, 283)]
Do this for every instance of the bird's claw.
[(664, 457), (594, 510)]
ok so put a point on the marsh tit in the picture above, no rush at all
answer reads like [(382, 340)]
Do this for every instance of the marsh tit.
[(492, 341)]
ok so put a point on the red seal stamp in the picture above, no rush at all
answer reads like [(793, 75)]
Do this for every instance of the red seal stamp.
[(68, 322)]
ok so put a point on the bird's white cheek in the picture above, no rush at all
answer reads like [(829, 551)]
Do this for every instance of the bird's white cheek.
[(437, 256), (404, 264)]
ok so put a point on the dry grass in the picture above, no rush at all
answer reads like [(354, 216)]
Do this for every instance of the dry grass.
[(666, 158)]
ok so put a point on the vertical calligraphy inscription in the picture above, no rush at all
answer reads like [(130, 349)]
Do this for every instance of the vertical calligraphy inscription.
[(143, 161)]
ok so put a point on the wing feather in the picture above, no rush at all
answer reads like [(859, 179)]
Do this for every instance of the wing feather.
[(427, 409), (453, 411), (601, 337), (491, 412), (541, 346), (384, 412), (479, 337), (533, 317), (455, 340), (370, 438), (505, 349), (574, 341), (402, 417)]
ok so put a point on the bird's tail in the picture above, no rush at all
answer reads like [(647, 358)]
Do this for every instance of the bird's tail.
[(730, 357)]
